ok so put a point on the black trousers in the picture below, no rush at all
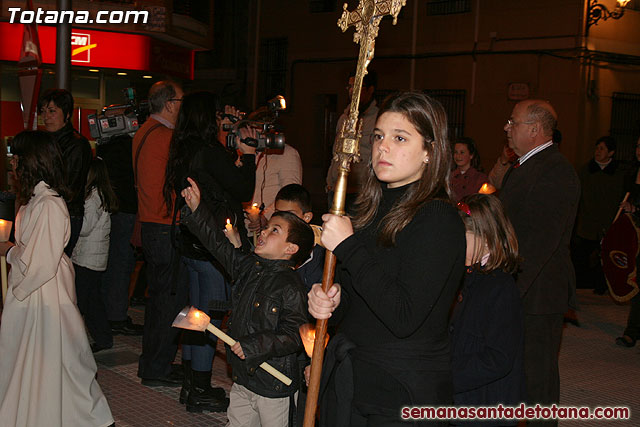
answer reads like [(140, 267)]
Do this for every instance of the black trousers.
[(74, 231), (585, 255), (168, 294), (91, 305), (542, 336), (633, 321)]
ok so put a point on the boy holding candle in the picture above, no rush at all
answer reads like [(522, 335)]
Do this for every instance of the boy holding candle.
[(269, 305)]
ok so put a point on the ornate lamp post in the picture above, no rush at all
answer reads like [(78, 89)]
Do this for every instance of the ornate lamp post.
[(598, 11)]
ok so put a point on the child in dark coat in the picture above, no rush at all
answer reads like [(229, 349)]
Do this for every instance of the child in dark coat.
[(296, 199), (487, 339), (268, 306)]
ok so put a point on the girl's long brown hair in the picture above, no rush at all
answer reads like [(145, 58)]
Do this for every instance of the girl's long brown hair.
[(484, 216), (98, 177), (39, 159), (429, 118)]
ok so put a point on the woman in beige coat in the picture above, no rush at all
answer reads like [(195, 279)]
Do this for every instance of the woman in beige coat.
[(47, 370)]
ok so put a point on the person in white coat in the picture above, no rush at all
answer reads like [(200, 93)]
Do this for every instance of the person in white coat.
[(47, 370), (91, 253)]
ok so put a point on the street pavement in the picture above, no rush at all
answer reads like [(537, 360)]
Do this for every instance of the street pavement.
[(594, 372)]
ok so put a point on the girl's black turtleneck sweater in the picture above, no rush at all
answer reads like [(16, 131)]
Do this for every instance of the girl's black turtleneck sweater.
[(395, 300)]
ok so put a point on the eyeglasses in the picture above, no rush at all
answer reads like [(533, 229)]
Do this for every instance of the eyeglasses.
[(512, 123)]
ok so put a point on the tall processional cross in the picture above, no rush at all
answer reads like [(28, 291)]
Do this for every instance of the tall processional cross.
[(366, 18)]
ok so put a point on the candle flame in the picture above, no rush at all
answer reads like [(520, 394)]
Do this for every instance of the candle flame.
[(308, 335), (255, 205), (487, 189), (228, 221)]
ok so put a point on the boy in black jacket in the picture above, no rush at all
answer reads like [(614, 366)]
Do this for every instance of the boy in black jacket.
[(269, 305)]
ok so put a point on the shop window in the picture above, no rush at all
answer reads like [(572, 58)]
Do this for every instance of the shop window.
[(85, 85), (448, 7), (273, 68), (319, 6), (625, 124), (9, 83)]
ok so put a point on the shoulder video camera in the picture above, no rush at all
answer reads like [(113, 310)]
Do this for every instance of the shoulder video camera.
[(263, 119), (116, 120)]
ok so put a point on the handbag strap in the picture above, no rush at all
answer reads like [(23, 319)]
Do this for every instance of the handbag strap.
[(144, 139)]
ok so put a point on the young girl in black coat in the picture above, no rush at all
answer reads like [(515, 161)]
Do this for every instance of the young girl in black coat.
[(487, 321)]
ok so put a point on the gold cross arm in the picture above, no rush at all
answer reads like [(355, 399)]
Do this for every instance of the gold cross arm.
[(369, 12)]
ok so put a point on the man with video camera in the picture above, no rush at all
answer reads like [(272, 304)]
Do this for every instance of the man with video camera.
[(277, 163)]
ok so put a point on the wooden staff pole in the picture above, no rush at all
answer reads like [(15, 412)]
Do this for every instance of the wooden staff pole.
[(321, 324), (626, 197)]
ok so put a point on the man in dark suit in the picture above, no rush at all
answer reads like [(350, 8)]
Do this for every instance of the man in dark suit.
[(540, 194)]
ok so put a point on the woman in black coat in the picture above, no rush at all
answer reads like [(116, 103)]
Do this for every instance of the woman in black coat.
[(195, 152)]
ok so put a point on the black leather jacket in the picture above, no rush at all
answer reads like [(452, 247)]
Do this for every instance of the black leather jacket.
[(76, 155), (269, 303)]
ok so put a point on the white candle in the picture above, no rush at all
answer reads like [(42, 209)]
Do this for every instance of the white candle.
[(3, 274), (5, 230), (253, 212)]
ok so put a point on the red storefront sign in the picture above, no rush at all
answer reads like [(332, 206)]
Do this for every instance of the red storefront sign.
[(103, 49)]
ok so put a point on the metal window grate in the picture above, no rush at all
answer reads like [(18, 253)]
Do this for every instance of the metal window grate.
[(453, 102), (451, 99), (273, 68), (625, 124), (448, 7)]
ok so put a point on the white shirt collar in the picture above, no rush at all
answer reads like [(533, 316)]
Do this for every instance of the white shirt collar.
[(162, 120), (535, 151)]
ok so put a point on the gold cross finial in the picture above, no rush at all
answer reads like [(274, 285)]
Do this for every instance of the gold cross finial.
[(366, 19), (369, 12)]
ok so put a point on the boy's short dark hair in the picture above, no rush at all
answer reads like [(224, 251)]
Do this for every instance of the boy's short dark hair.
[(609, 141), (299, 233), (61, 98), (295, 193)]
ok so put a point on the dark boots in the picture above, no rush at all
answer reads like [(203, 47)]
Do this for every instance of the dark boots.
[(203, 397), (186, 381)]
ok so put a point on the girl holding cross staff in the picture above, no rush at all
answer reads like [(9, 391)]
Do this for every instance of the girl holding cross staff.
[(402, 259)]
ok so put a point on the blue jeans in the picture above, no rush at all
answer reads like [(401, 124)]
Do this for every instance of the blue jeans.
[(168, 294), (206, 283), (122, 261)]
